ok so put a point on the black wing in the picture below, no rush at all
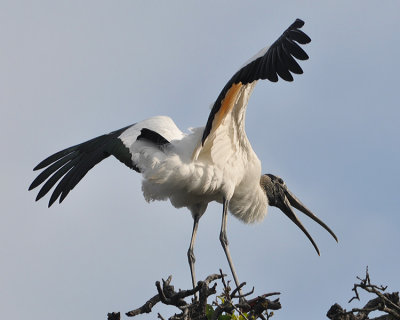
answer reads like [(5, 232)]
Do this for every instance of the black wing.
[(278, 60), (70, 165)]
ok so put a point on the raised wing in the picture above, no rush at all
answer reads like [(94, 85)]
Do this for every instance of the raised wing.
[(269, 63), (69, 166)]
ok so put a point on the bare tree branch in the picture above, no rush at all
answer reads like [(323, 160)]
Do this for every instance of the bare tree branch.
[(385, 302), (259, 307)]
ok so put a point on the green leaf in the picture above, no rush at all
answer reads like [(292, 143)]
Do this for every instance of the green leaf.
[(209, 311)]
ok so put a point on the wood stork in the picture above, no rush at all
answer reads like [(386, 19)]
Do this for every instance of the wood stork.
[(211, 163)]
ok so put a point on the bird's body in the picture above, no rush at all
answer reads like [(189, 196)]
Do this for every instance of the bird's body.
[(172, 171), (211, 163)]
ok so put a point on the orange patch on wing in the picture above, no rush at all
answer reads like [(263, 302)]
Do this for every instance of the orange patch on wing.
[(226, 105)]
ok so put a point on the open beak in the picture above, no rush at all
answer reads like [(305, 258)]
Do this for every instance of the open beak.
[(279, 196), (286, 202)]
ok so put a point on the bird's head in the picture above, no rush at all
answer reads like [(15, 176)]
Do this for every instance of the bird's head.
[(279, 196)]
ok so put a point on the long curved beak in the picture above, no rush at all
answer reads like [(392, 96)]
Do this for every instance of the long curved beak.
[(295, 202), (289, 200)]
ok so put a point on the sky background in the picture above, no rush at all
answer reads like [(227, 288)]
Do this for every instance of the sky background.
[(73, 70)]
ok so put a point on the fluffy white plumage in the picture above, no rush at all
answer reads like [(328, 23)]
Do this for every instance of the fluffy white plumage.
[(212, 163), (226, 166)]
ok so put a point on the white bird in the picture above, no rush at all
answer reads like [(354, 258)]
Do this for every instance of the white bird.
[(211, 163)]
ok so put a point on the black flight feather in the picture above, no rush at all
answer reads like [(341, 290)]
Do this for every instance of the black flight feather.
[(67, 167), (277, 61)]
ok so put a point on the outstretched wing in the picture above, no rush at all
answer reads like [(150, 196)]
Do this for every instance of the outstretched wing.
[(69, 166), (269, 63)]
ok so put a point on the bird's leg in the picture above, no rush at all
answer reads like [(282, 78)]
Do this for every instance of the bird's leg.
[(190, 252), (224, 241)]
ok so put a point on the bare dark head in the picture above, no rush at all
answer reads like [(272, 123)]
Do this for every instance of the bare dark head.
[(279, 196)]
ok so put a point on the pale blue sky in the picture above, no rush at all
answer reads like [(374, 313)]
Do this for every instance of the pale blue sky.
[(72, 70)]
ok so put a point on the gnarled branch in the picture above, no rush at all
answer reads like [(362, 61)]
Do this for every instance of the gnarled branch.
[(385, 302), (198, 309)]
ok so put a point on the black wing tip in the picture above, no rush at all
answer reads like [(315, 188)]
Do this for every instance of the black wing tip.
[(41, 165), (295, 27), (280, 59), (67, 167), (54, 157), (297, 24), (39, 196), (51, 202), (44, 163)]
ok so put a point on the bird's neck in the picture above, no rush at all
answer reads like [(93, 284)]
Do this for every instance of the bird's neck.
[(249, 205)]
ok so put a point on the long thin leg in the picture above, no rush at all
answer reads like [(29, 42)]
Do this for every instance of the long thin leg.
[(190, 252), (224, 241)]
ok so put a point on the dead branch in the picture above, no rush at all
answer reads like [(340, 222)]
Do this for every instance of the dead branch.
[(385, 302), (257, 308)]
